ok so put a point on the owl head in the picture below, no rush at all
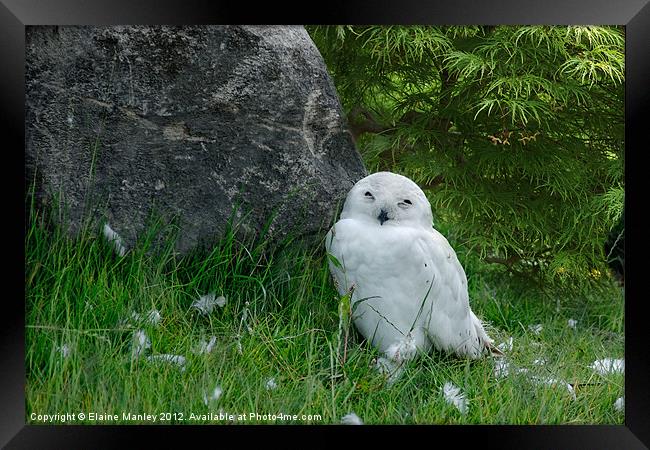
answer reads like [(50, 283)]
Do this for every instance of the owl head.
[(388, 199)]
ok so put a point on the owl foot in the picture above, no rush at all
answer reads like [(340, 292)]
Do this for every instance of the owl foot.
[(390, 369), (403, 350), (396, 356)]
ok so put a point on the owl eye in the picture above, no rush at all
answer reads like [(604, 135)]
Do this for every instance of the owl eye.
[(369, 195), (405, 204)]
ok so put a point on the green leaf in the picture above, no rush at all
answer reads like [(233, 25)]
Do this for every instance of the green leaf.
[(334, 261)]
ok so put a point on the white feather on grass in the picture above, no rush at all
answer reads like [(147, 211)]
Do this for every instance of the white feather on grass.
[(351, 419), (572, 323), (506, 346), (455, 397), (168, 358), (213, 396), (271, 384), (550, 381), (501, 368), (115, 239), (205, 347), (64, 350), (140, 343), (608, 366), (132, 319), (206, 303), (153, 317), (619, 404)]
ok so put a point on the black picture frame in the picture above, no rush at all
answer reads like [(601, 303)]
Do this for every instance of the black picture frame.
[(634, 14)]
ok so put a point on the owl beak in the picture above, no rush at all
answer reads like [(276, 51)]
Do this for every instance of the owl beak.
[(383, 217)]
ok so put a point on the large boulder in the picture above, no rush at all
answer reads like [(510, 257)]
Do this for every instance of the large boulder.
[(189, 124)]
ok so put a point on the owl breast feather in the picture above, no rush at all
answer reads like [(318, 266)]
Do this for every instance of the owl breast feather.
[(391, 273)]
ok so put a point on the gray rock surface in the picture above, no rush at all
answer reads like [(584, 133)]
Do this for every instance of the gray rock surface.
[(186, 122)]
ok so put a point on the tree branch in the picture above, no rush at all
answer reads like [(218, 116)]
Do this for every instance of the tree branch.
[(361, 121), (508, 262)]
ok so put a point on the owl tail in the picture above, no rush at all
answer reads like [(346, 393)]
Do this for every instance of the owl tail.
[(484, 340)]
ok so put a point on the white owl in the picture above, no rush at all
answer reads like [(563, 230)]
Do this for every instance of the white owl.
[(409, 291)]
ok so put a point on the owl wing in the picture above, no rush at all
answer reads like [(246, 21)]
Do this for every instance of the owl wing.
[(450, 324), (332, 246)]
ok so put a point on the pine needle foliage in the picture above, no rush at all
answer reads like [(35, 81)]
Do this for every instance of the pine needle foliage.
[(516, 133)]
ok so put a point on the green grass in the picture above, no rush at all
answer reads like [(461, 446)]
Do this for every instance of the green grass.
[(280, 321)]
